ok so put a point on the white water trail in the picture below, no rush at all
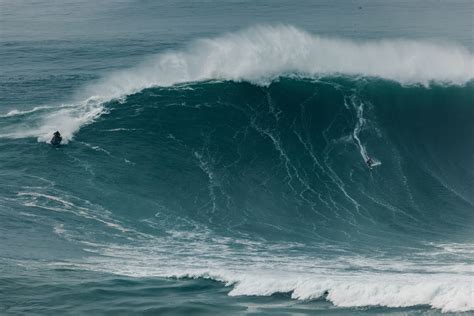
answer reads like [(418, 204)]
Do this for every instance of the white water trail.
[(355, 134)]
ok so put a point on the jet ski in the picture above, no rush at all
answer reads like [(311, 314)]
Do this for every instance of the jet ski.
[(56, 140)]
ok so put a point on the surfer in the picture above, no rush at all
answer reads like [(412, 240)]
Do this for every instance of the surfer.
[(56, 140), (370, 163)]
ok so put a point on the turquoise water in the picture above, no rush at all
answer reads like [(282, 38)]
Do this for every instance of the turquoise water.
[(214, 155)]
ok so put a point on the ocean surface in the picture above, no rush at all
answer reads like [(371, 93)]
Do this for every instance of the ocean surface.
[(214, 157)]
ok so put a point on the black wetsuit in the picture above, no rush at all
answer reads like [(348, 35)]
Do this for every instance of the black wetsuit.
[(370, 163)]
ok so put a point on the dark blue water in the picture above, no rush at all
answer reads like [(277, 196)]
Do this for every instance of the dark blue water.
[(214, 157)]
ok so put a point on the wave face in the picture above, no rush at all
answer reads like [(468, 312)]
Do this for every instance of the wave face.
[(243, 159)]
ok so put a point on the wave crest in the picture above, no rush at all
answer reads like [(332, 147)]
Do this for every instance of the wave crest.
[(260, 54)]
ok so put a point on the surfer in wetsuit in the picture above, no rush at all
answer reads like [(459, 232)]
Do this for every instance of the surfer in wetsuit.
[(370, 163), (56, 140)]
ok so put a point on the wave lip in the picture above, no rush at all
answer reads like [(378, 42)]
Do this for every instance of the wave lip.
[(261, 54)]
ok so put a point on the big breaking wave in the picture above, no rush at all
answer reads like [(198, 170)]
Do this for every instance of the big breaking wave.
[(258, 55), (261, 55)]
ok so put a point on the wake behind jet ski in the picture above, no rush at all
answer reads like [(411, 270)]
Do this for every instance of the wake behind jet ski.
[(57, 138)]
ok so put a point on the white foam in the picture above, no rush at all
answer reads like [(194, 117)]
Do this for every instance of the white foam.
[(59, 229), (44, 121), (447, 292), (19, 112), (56, 203), (260, 54), (261, 269)]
